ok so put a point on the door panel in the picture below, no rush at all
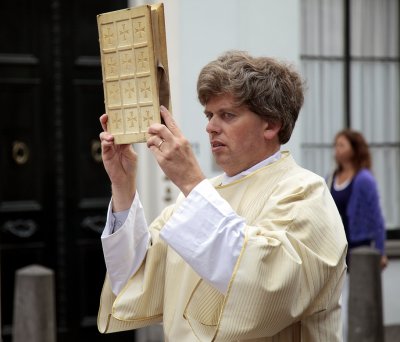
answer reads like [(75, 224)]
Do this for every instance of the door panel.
[(88, 187), (54, 191), (24, 225)]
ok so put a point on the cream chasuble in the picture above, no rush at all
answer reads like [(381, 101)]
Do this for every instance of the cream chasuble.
[(286, 283)]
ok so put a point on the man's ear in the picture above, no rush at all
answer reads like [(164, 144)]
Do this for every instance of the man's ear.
[(272, 129)]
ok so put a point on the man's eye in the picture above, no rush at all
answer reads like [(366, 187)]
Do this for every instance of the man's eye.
[(208, 116), (228, 115)]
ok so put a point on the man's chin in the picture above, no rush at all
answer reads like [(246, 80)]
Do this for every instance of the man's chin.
[(222, 163)]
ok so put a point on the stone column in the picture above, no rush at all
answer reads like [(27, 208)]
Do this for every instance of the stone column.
[(365, 297), (34, 305)]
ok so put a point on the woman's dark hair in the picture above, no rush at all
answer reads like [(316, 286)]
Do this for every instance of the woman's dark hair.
[(361, 154)]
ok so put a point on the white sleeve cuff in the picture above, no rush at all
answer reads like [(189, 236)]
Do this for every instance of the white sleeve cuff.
[(114, 221), (125, 249)]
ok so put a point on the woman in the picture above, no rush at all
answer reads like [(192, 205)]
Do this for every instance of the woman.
[(355, 192)]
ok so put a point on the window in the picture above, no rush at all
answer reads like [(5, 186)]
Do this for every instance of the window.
[(350, 59)]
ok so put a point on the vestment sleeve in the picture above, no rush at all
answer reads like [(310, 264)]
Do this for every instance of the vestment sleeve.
[(291, 265), (143, 303), (202, 230)]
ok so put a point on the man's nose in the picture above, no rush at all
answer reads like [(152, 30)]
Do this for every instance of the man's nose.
[(212, 126)]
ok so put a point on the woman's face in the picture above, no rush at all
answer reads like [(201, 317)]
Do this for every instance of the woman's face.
[(343, 150)]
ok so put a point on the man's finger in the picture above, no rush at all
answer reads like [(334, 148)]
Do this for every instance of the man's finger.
[(170, 122), (103, 121)]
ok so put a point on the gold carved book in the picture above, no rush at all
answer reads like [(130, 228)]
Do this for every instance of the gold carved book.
[(134, 66)]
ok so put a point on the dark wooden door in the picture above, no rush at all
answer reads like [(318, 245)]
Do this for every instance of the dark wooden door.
[(54, 191)]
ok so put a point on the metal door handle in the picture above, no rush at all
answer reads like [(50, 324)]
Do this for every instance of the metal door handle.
[(20, 152), (95, 150)]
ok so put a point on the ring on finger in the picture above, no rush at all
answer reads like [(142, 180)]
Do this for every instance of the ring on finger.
[(160, 143)]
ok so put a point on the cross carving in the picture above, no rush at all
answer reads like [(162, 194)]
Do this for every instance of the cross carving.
[(130, 90), (111, 64), (116, 121), (114, 92), (148, 117), (142, 60), (131, 119), (109, 35), (139, 30), (145, 89), (124, 31), (126, 60)]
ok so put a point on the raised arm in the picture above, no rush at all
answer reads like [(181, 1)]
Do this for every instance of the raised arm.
[(120, 162)]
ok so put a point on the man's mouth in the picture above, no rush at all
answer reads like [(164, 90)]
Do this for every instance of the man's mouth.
[(216, 145)]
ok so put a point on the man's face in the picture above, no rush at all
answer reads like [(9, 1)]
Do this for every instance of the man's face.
[(236, 135)]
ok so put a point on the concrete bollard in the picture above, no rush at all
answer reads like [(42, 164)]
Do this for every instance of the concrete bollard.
[(34, 305), (365, 296)]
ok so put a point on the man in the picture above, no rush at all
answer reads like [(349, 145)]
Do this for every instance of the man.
[(256, 254)]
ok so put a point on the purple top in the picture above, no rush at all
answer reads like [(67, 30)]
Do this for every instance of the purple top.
[(364, 215), (341, 198)]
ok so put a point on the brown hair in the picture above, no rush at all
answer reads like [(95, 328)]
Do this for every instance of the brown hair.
[(269, 88), (361, 154)]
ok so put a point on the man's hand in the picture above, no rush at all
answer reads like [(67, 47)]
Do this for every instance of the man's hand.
[(174, 153), (120, 162)]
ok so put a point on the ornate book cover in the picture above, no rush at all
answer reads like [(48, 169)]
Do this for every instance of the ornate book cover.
[(135, 70)]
